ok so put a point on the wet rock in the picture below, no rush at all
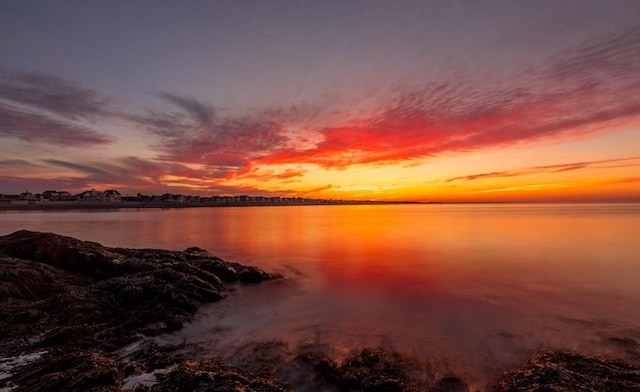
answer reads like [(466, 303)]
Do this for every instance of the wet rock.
[(211, 375), (71, 371), (111, 293), (370, 370), (22, 280), (451, 384), (233, 272), (66, 253), (563, 372), (195, 252), (84, 301)]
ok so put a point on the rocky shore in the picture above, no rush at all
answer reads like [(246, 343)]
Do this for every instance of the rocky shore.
[(77, 316)]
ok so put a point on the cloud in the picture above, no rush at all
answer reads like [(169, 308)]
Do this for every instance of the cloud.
[(78, 167), (200, 111), (15, 184), (52, 94), (137, 174), (124, 170), (311, 191), (196, 134), (581, 91), (557, 168), (43, 108), (472, 177), (33, 127), (16, 163)]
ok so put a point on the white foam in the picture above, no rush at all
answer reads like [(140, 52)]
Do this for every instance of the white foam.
[(146, 379), (7, 364)]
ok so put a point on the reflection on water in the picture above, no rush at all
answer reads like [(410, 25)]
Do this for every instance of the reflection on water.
[(471, 287)]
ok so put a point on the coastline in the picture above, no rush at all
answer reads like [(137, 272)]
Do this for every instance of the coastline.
[(80, 316), (106, 205)]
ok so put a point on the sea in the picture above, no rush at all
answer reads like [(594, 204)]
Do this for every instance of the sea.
[(472, 289)]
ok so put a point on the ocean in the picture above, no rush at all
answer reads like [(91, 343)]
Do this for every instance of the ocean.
[(470, 288)]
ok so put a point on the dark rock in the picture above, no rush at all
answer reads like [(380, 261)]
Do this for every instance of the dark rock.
[(22, 280), (195, 252), (211, 375), (83, 301), (71, 371), (66, 253), (370, 370), (563, 372), (451, 384)]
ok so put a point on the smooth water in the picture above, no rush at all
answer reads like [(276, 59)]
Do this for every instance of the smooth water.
[(472, 288)]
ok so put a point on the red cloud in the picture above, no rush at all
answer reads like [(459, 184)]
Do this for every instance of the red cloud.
[(570, 94)]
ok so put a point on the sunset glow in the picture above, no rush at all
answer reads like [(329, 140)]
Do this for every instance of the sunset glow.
[(423, 101)]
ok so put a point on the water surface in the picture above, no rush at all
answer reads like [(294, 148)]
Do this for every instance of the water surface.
[(472, 288)]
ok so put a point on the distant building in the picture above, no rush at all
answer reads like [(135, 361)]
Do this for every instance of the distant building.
[(92, 195), (26, 196), (64, 196), (50, 195), (112, 195)]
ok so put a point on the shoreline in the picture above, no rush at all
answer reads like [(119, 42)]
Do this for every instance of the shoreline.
[(88, 205), (79, 315)]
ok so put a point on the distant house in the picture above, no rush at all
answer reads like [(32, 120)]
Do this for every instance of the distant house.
[(167, 197), (50, 195), (112, 195), (27, 196), (64, 196), (144, 198), (92, 195)]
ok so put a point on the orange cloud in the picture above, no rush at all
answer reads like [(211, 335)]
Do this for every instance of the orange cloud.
[(584, 90), (621, 162)]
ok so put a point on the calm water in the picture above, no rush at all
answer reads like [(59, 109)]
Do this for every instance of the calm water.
[(473, 288)]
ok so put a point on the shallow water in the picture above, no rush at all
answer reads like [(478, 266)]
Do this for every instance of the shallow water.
[(472, 288)]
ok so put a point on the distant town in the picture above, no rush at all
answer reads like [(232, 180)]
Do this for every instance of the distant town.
[(113, 198)]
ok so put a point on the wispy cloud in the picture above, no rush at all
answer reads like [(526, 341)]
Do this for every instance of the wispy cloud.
[(140, 174), (557, 168), (33, 127), (54, 95), (580, 91), (480, 176), (38, 184), (127, 171), (43, 108), (196, 134)]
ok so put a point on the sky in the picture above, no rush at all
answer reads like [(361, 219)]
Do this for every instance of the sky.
[(358, 100)]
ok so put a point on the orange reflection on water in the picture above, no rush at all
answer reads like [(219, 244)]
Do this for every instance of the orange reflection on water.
[(480, 284)]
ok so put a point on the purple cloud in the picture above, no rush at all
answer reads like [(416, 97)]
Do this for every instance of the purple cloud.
[(33, 127), (54, 95), (197, 134)]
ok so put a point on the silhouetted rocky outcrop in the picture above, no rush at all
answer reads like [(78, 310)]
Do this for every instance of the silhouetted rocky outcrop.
[(81, 294), (77, 302)]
